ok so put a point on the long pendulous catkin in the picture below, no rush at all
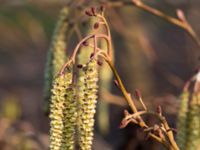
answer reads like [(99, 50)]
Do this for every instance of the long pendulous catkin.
[(62, 113), (87, 99), (182, 120), (193, 131), (56, 56)]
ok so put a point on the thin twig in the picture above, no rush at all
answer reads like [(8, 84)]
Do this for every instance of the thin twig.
[(184, 24), (73, 56)]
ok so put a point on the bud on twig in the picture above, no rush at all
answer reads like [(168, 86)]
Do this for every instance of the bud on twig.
[(93, 10), (116, 83), (100, 63), (85, 43), (138, 94), (92, 55), (102, 8), (88, 13), (180, 15), (79, 66), (96, 25)]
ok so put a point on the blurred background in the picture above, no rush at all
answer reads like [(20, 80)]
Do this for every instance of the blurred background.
[(151, 55)]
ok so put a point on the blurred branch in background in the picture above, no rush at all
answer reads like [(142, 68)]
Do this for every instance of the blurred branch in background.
[(181, 21)]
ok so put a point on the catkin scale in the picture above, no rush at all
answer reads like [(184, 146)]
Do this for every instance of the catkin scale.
[(87, 104)]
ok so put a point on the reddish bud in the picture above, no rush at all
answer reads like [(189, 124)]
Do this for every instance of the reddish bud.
[(180, 14), (79, 66), (102, 8), (85, 43), (93, 10), (138, 94), (100, 63), (92, 55), (88, 13), (96, 25), (123, 124), (116, 83)]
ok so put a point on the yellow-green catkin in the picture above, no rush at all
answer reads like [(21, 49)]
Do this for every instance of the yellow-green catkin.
[(87, 99), (105, 76), (70, 117), (193, 131), (56, 56), (62, 113), (182, 120)]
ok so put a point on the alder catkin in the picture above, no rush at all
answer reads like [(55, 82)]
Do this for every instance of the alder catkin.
[(62, 113), (87, 99), (182, 120), (70, 117), (105, 76), (56, 56), (193, 131)]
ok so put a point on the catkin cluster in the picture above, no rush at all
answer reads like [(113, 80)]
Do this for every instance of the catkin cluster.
[(56, 56), (87, 99), (62, 113)]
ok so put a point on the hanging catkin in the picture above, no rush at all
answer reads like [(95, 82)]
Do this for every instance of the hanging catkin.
[(56, 56), (182, 120), (193, 131), (87, 100), (63, 113)]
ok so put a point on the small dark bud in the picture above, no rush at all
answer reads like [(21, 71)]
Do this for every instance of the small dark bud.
[(92, 55), (116, 83), (80, 66), (102, 8), (96, 25), (138, 94), (93, 10), (88, 13), (85, 43), (100, 63), (123, 124)]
